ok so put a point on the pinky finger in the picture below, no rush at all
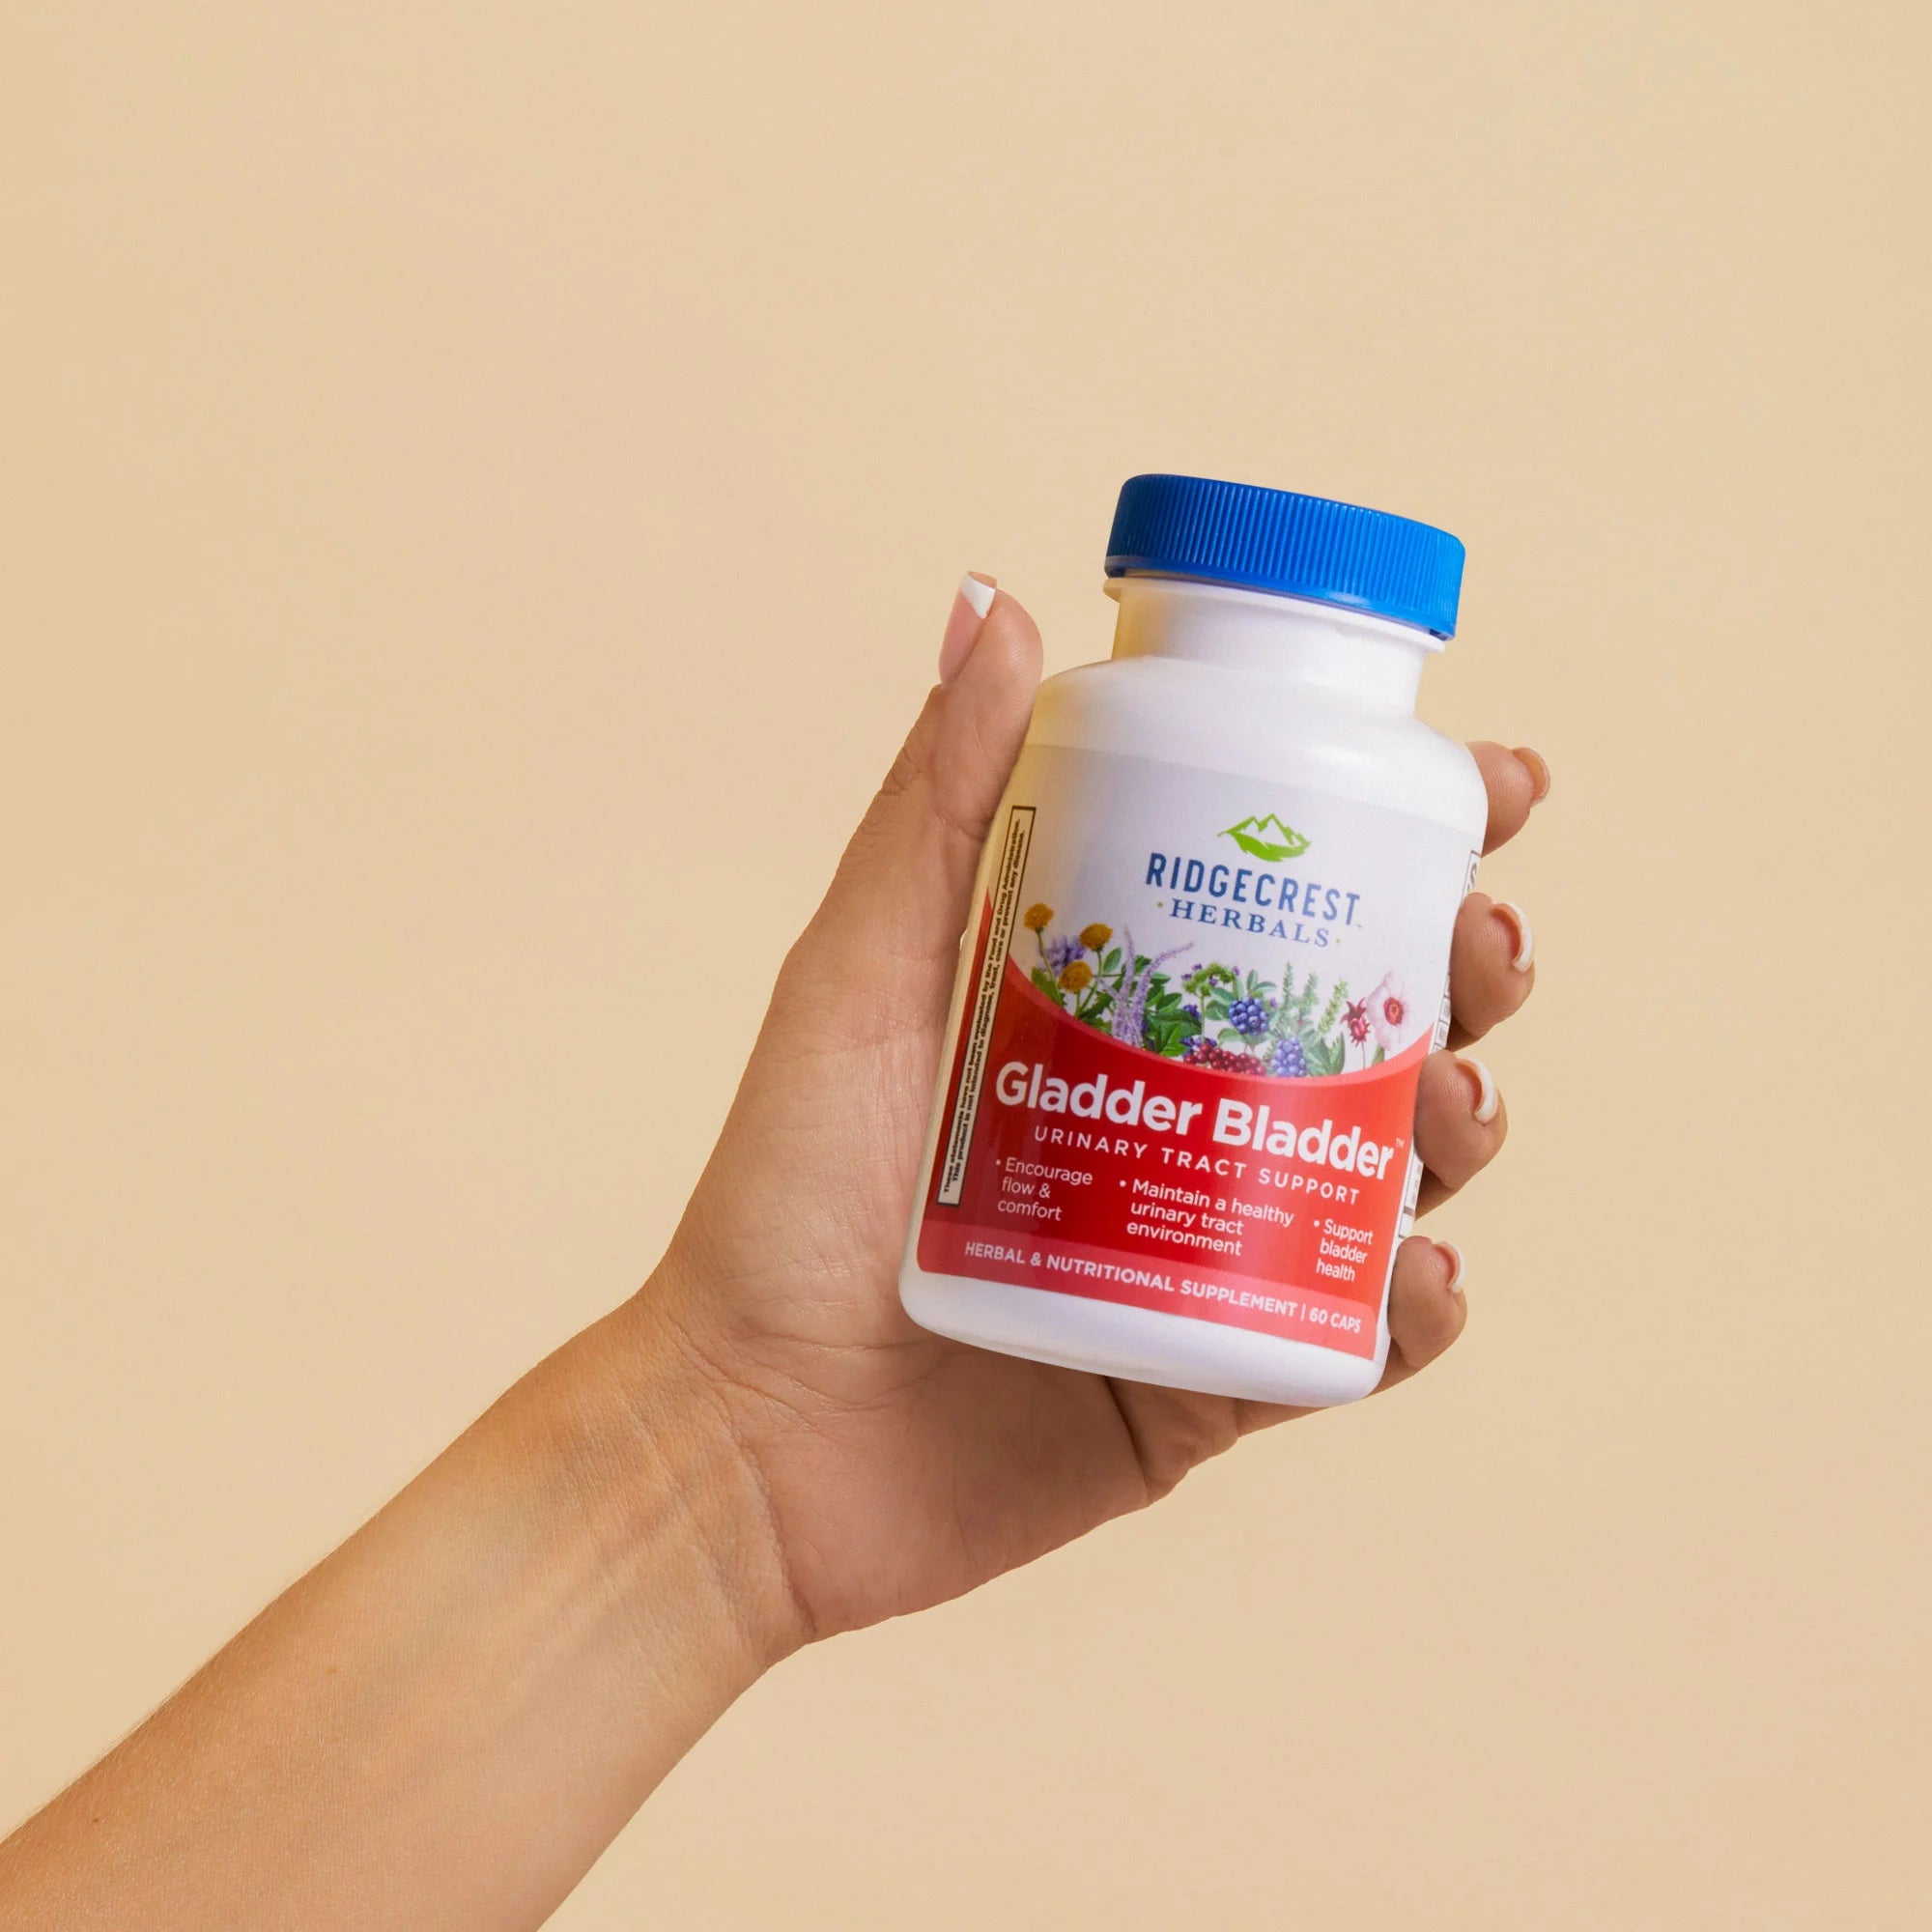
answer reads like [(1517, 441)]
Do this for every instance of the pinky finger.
[(1427, 1310)]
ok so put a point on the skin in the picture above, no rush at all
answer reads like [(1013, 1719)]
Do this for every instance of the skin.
[(445, 1721)]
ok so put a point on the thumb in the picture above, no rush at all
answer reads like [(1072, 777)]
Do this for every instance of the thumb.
[(899, 899)]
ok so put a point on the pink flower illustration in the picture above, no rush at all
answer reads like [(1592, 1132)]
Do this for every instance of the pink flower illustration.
[(1391, 1014)]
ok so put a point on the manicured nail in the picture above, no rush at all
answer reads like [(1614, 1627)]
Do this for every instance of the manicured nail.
[(1486, 1088), (1537, 768), (1525, 939), (1454, 1258), (969, 604)]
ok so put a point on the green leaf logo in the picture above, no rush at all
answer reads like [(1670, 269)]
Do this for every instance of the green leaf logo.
[(1267, 838)]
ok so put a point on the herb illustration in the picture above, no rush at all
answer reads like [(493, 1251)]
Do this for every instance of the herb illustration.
[(1212, 1014)]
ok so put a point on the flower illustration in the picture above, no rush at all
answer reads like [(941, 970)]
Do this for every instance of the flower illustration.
[(1062, 951), (1127, 1020), (1202, 980), (1390, 1013), (1210, 1015)]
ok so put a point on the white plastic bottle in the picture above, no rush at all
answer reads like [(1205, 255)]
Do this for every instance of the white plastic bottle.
[(1173, 1135)]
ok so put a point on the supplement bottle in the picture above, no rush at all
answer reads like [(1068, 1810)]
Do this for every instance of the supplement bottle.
[(1208, 952)]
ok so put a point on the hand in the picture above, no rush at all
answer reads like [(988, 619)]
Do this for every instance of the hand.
[(899, 1469)]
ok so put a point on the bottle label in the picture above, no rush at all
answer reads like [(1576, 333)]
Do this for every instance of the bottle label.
[(1195, 1009)]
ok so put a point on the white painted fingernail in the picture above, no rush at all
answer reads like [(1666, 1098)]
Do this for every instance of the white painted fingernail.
[(1525, 939), (969, 604), (1455, 1255), (1486, 1088)]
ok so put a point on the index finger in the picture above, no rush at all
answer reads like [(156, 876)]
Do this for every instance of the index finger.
[(1515, 781)]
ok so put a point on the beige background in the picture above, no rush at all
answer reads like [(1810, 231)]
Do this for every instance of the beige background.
[(471, 466)]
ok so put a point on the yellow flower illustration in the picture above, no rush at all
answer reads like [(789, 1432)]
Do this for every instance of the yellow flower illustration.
[(1076, 975), (1094, 937), (1037, 918)]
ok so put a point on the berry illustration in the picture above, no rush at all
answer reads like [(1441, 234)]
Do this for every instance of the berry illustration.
[(1203, 1052), (1288, 1059), (1248, 1017)]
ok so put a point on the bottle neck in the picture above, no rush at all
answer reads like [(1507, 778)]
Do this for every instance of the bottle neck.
[(1360, 659)]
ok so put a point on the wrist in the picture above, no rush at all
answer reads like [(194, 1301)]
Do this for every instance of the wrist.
[(669, 1510)]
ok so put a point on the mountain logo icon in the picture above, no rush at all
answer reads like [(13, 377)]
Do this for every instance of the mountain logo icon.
[(1267, 838)]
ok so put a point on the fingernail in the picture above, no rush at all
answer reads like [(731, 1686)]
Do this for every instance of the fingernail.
[(1525, 939), (1455, 1255), (1537, 768), (969, 604), (1486, 1088)]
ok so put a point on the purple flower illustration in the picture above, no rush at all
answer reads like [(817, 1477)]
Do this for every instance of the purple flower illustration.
[(1128, 1021), (1062, 951)]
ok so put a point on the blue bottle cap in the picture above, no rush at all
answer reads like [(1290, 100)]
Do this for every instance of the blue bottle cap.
[(1295, 546)]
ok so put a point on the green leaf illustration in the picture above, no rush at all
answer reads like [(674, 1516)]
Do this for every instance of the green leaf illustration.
[(1332, 1011), (1324, 1056)]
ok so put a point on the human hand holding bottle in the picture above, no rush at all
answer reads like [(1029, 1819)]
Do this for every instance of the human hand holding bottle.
[(901, 1468)]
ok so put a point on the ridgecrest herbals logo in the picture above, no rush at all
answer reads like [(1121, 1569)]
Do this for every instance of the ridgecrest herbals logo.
[(1256, 899), (1267, 838)]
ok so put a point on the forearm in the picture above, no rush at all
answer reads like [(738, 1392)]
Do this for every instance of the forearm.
[(445, 1721)]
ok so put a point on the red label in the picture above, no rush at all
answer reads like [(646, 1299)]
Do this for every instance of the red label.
[(1085, 1166)]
